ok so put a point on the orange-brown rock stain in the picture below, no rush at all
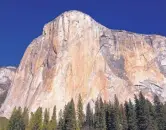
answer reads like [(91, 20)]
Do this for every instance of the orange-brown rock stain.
[(140, 64), (79, 73), (48, 82), (79, 70)]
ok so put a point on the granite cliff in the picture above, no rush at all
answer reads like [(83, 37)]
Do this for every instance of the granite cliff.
[(6, 76), (76, 55)]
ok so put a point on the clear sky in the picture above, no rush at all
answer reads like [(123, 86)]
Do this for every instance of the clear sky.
[(22, 20)]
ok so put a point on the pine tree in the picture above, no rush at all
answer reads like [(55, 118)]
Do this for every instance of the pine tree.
[(108, 118), (99, 119), (70, 116), (159, 113), (53, 122), (164, 110), (36, 120), (123, 118), (89, 117), (97, 115), (46, 120), (113, 119), (102, 115), (16, 121), (142, 113), (152, 120), (131, 115), (80, 113), (117, 113), (61, 121), (26, 117)]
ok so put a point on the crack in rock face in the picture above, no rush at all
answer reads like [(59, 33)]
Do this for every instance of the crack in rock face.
[(76, 55)]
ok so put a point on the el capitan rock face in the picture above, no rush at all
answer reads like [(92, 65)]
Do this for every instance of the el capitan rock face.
[(76, 55)]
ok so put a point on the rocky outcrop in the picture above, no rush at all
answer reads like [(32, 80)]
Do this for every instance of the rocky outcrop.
[(76, 55), (6, 76)]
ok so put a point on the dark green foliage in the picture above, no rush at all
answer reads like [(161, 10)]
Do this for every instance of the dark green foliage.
[(152, 114), (89, 117), (36, 120), (53, 122), (16, 121), (46, 120), (159, 110), (114, 119), (123, 118), (80, 113), (141, 115), (131, 116), (117, 114), (61, 121), (70, 116), (99, 117), (26, 117), (107, 115)]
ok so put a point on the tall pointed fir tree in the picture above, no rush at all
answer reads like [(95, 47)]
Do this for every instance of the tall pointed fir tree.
[(164, 111), (108, 118), (26, 117), (99, 118), (97, 115), (152, 120), (89, 117), (46, 120), (123, 118), (131, 116), (53, 122), (36, 120), (117, 113), (61, 121), (80, 113), (159, 113), (142, 109), (16, 121), (70, 116)]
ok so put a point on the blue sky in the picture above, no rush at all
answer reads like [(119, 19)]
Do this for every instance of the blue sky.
[(22, 20)]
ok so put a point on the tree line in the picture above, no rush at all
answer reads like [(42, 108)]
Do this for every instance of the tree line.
[(140, 114)]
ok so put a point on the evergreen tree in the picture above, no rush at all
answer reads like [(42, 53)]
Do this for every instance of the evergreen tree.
[(46, 120), (80, 113), (70, 116), (36, 120), (108, 118), (117, 113), (89, 117), (123, 118), (159, 113), (113, 119), (53, 122), (152, 120), (164, 110), (142, 113), (102, 115), (99, 119), (16, 121), (26, 117), (131, 116), (61, 121), (97, 115)]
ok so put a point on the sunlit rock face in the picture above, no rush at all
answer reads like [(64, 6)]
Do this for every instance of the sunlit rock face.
[(76, 55), (6, 76)]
